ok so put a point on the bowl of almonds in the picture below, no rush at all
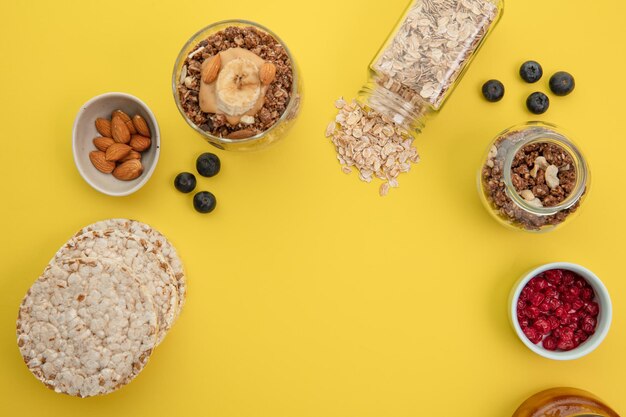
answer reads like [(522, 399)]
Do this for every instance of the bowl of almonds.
[(116, 143)]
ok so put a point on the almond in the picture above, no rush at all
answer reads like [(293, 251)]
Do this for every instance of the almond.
[(129, 170), (241, 134), (119, 131), (117, 151), (127, 121), (141, 126), (102, 143), (103, 126), (98, 160), (267, 73), (121, 114), (131, 127), (131, 155), (211, 69), (140, 143)]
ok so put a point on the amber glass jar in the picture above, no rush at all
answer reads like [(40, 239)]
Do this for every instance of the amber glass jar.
[(564, 402)]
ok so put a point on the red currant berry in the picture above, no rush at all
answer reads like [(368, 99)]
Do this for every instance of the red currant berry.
[(580, 282), (581, 336), (526, 292), (568, 278), (565, 344), (537, 298), (557, 332), (539, 284), (592, 308), (578, 304), (544, 307), (567, 334), (554, 276), (554, 304), (573, 290), (532, 312), (532, 334), (554, 322), (549, 343), (587, 294), (551, 293), (521, 304), (542, 326), (589, 325)]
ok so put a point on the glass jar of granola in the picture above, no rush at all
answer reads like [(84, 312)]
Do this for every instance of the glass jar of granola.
[(564, 402), (425, 56), (236, 83), (533, 177)]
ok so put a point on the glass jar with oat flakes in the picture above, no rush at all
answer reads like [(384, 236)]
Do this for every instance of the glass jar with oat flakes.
[(412, 75), (425, 56), (533, 178)]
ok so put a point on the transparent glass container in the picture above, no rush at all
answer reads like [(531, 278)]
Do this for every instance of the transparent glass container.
[(496, 179), (564, 402), (425, 57), (263, 139)]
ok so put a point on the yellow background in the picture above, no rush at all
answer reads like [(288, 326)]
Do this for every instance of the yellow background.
[(309, 295)]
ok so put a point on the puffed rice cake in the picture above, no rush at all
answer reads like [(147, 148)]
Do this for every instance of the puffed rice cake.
[(86, 326), (144, 260), (156, 238)]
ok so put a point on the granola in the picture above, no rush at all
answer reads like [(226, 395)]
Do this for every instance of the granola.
[(278, 93), (531, 179), (371, 143)]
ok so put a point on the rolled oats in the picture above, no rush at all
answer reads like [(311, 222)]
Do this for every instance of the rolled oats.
[(431, 47), (371, 143)]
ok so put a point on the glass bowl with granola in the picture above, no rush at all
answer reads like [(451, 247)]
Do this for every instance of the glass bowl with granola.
[(236, 84), (533, 178)]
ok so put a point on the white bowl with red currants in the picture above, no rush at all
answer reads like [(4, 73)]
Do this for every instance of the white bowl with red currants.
[(561, 311)]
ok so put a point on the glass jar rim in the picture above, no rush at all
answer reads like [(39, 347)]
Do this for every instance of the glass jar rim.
[(545, 132), (182, 55)]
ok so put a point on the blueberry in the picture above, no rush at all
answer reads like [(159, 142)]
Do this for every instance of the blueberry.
[(538, 103), (531, 71), (208, 164), (204, 202), (562, 83), (185, 182), (493, 90)]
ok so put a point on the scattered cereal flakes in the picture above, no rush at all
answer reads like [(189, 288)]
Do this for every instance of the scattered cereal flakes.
[(384, 189), (330, 130), (385, 151)]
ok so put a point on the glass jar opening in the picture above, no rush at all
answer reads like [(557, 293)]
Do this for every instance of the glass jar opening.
[(539, 134)]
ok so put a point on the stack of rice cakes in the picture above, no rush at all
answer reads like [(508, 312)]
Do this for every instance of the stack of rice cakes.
[(109, 296)]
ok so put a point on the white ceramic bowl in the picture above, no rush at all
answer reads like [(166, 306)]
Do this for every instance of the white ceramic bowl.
[(601, 297), (85, 131)]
